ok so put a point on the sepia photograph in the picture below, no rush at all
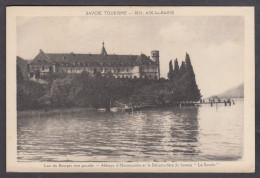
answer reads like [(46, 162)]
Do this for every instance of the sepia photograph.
[(139, 88)]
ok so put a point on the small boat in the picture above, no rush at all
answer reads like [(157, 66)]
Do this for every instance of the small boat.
[(128, 109)]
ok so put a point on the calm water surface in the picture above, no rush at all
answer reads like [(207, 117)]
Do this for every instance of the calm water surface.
[(157, 134)]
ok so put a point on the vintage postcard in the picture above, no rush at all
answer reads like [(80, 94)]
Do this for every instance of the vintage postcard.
[(130, 89)]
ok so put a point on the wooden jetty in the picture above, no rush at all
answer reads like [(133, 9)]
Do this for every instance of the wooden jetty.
[(229, 103), (131, 107)]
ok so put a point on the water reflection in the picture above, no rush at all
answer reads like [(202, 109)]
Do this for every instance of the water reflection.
[(161, 134)]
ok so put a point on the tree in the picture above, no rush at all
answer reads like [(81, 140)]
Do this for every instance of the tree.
[(170, 73), (29, 94), (19, 75), (188, 78), (60, 92), (182, 81), (176, 66)]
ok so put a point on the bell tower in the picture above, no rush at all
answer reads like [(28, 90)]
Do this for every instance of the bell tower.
[(156, 58)]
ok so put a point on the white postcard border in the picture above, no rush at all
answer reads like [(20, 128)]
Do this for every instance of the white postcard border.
[(247, 164)]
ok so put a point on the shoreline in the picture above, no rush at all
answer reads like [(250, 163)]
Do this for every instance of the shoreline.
[(52, 112), (74, 110)]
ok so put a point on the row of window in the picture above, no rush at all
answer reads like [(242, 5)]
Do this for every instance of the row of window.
[(40, 67), (101, 70), (149, 76), (96, 63), (142, 69), (130, 77), (126, 77), (145, 76), (95, 70)]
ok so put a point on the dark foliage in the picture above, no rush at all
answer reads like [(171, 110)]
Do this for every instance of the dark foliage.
[(29, 94), (183, 81), (19, 75), (85, 90)]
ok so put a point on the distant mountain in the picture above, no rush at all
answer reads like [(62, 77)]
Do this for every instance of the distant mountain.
[(236, 92), (23, 66)]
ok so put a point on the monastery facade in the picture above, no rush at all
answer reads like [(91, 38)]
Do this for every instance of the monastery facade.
[(121, 66)]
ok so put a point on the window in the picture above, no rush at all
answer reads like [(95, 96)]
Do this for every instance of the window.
[(127, 69), (118, 70), (42, 67)]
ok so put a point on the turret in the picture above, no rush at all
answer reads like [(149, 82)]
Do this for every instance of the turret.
[(103, 50), (155, 56)]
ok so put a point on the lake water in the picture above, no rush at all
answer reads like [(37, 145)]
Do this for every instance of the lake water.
[(157, 134)]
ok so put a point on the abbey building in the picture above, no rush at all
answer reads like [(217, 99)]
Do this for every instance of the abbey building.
[(121, 66)]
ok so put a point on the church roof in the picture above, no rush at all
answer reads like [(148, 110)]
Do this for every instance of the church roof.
[(68, 59)]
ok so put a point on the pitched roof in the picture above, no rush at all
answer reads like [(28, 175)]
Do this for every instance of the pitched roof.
[(92, 59), (42, 58)]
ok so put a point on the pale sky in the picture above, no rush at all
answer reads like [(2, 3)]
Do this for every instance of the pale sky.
[(215, 44)]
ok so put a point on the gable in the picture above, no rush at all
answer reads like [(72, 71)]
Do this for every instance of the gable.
[(42, 58)]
